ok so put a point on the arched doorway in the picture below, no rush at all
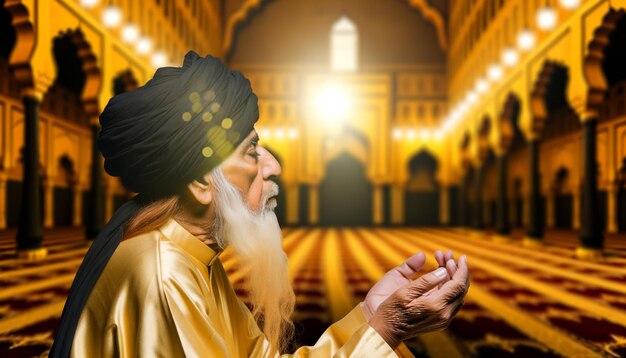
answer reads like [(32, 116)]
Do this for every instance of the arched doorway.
[(345, 194), (421, 198)]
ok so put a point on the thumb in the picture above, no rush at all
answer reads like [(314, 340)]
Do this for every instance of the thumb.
[(428, 281)]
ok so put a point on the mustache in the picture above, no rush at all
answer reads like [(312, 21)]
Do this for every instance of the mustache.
[(274, 191)]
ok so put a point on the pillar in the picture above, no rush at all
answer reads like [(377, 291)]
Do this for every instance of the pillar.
[(444, 205), (550, 209), (612, 225), (77, 198), (313, 204), (591, 237), (503, 226), (3, 200), (95, 213), (534, 231), (576, 208), (477, 219), (30, 228), (48, 213), (397, 204), (377, 204), (293, 203)]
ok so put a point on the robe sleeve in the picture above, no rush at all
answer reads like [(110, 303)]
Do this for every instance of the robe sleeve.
[(351, 336)]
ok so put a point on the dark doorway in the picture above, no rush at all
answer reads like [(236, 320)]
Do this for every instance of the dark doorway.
[(345, 194), (563, 201), (63, 200), (421, 199)]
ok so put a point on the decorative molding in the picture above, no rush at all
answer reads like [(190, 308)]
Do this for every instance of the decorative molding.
[(430, 14), (436, 18), (594, 74)]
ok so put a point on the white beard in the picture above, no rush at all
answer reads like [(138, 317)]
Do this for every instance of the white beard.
[(256, 239)]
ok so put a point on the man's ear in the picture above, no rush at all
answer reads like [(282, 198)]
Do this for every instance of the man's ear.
[(201, 191)]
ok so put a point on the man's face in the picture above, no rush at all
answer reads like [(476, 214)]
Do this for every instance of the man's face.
[(253, 169)]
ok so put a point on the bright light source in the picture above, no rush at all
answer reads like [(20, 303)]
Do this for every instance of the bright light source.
[(397, 133), (130, 33), (111, 16), (424, 134), (472, 97), (88, 4), (292, 133), (264, 133), (159, 59), (333, 104), (280, 133), (546, 18), (438, 135), (411, 134), (495, 72), (510, 57), (482, 85), (569, 4), (526, 40), (144, 45)]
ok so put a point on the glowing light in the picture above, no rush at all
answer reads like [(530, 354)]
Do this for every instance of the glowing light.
[(159, 59), (472, 97), (546, 18), (569, 4), (280, 133), (88, 4), (482, 85), (111, 16), (410, 134), (130, 33), (144, 45), (438, 135), (292, 133), (526, 40), (495, 72), (397, 133), (424, 134), (510, 57), (264, 133), (333, 102)]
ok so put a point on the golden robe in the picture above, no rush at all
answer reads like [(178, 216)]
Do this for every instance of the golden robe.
[(166, 294)]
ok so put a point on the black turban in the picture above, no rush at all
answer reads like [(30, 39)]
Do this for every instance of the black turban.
[(158, 138)]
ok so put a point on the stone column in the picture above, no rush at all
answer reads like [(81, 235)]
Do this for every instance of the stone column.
[(48, 213), (30, 228), (534, 231), (377, 204), (293, 203), (313, 204), (444, 206), (397, 204), (591, 237), (550, 209), (3, 200), (612, 225), (95, 214), (503, 227), (77, 207), (477, 219)]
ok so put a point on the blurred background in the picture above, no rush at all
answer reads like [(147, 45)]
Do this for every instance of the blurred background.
[(495, 128)]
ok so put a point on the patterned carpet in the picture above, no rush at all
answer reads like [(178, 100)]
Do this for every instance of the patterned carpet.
[(523, 302)]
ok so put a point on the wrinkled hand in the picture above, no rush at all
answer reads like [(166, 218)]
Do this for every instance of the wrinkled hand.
[(400, 276), (408, 312)]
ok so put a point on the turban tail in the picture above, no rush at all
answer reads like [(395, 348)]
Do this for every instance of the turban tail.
[(180, 125)]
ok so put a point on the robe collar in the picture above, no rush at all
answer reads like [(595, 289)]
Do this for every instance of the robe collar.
[(189, 243)]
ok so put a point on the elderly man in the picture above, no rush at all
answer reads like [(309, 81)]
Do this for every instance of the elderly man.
[(152, 284)]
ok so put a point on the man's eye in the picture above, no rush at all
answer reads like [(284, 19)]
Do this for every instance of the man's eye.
[(254, 154)]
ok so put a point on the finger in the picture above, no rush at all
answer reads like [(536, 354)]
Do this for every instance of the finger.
[(412, 265), (428, 281), (459, 282), (447, 256), (451, 266), (440, 259)]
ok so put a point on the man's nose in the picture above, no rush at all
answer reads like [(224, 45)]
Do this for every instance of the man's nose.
[(271, 166)]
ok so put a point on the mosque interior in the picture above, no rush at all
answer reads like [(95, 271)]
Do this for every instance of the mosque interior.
[(494, 128)]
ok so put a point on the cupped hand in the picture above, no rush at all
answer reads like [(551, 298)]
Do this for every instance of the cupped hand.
[(400, 276), (408, 312)]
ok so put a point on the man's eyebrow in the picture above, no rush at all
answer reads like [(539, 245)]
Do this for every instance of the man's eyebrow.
[(254, 139)]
